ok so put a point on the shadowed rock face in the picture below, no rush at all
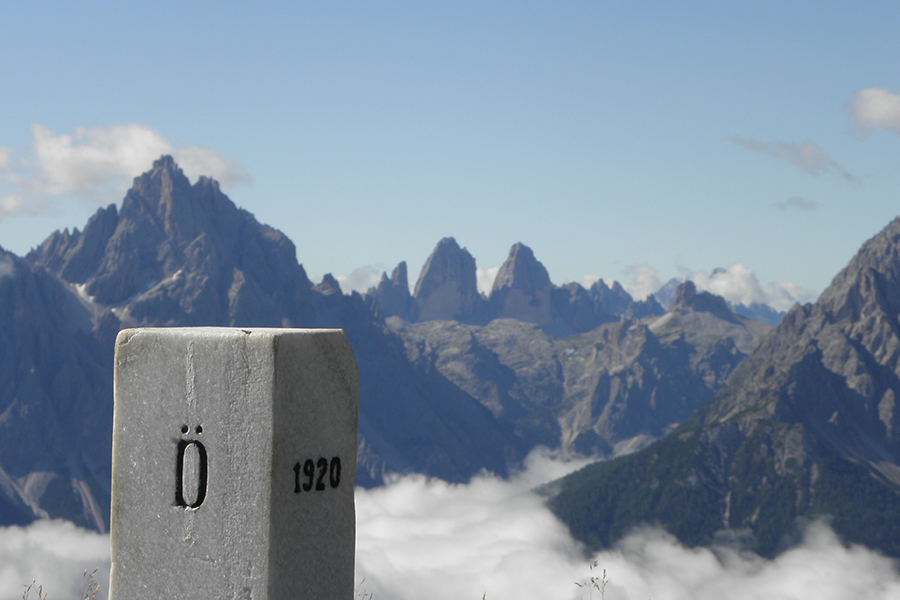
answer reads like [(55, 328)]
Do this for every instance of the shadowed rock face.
[(55, 419), (806, 426), (392, 295), (181, 254), (177, 253), (447, 289), (448, 398)]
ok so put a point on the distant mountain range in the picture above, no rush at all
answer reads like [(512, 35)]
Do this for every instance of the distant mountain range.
[(806, 427), (452, 381)]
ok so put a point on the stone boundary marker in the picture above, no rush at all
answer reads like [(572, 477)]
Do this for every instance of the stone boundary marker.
[(234, 453)]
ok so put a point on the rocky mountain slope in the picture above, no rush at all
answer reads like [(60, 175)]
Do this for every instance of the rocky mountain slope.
[(599, 392), (806, 427), (447, 387), (54, 442)]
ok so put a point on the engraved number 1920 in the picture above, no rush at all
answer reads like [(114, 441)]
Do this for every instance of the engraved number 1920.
[(313, 480)]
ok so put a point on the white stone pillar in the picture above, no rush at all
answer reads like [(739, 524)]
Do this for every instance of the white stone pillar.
[(234, 453)]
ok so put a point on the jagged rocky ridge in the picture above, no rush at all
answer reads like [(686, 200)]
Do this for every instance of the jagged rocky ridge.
[(598, 392), (806, 427), (446, 387), (446, 291)]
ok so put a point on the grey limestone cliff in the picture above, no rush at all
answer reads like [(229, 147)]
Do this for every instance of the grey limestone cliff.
[(522, 288), (446, 288)]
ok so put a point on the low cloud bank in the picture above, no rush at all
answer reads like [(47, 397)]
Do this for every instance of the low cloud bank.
[(420, 538), (739, 285), (55, 555)]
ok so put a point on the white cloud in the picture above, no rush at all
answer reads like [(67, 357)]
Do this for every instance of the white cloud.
[(200, 160), (420, 538), (796, 202), (55, 555), (11, 204), (781, 295), (98, 164), (360, 279), (425, 538), (588, 280), (94, 159), (808, 155), (651, 564), (739, 285), (5, 157), (876, 108), (644, 280), (484, 279)]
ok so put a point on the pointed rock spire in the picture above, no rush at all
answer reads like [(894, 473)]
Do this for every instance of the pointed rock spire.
[(392, 295), (447, 288), (522, 288)]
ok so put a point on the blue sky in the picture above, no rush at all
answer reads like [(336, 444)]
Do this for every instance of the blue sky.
[(653, 138)]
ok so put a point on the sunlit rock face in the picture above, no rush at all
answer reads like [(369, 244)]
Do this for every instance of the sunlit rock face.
[(522, 289), (447, 288)]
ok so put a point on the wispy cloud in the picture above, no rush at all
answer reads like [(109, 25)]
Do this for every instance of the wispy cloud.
[(796, 202), (876, 108), (96, 164), (808, 156), (11, 204)]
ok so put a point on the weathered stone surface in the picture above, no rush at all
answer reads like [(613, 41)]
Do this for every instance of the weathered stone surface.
[(233, 460)]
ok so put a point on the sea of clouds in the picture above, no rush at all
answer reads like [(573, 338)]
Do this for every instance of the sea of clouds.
[(492, 538)]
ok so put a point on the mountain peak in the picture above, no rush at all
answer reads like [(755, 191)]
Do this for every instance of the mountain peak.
[(687, 297), (855, 289), (447, 287), (170, 239), (522, 271), (329, 286), (522, 288), (166, 162)]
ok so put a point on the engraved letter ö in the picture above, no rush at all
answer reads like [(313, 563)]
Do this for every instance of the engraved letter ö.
[(183, 445)]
